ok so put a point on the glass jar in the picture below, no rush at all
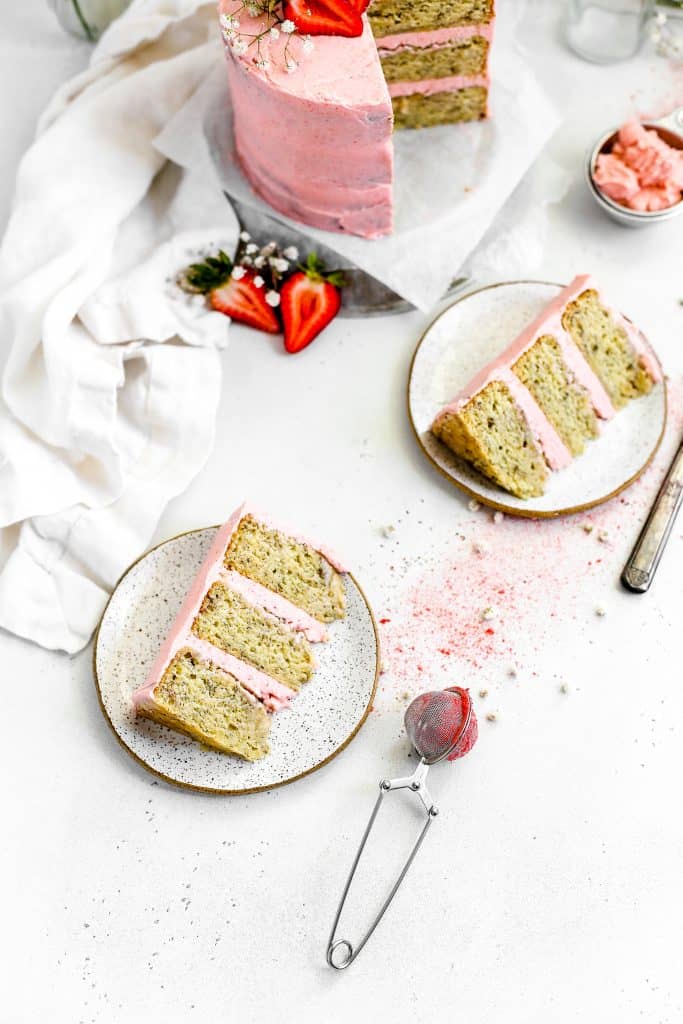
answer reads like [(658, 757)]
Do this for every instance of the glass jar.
[(606, 31), (87, 18)]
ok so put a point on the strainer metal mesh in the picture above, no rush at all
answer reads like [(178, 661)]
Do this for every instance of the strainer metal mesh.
[(437, 721)]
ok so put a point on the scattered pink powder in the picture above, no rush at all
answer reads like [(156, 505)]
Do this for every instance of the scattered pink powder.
[(531, 577)]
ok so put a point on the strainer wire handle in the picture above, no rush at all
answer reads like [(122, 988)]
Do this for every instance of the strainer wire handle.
[(415, 782)]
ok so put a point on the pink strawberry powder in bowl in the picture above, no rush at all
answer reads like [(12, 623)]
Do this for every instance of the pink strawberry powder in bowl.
[(635, 172)]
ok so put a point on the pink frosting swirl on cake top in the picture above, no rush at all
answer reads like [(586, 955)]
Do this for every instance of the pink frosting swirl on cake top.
[(641, 171)]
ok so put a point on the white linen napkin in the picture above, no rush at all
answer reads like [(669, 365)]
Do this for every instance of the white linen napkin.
[(101, 421)]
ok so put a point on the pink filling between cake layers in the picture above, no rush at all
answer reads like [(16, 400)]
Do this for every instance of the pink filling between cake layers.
[(549, 322), (434, 37), (273, 694), (432, 86)]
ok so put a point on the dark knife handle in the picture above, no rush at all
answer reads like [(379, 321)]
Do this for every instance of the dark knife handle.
[(640, 569)]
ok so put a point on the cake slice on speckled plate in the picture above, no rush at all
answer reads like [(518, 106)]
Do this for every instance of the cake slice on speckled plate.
[(534, 408), (240, 646)]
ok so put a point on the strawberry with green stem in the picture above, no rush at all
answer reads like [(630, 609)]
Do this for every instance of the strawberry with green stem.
[(309, 300), (238, 292)]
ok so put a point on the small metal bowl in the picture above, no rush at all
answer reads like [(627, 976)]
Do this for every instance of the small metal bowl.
[(670, 128)]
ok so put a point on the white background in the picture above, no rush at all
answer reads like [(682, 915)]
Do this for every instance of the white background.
[(550, 888)]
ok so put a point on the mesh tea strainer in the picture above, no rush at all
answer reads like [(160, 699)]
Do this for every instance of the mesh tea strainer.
[(440, 724)]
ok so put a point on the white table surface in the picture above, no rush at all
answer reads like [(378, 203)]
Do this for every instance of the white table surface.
[(550, 889)]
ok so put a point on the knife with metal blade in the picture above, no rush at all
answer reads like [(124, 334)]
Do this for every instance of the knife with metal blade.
[(640, 569)]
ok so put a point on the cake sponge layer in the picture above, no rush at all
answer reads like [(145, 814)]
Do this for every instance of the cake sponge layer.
[(490, 431), (290, 567), (226, 620), (412, 64), (390, 16), (419, 110), (543, 372), (607, 349), (209, 705)]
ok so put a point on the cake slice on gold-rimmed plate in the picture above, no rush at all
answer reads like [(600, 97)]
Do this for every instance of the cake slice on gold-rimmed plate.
[(514, 393), (217, 671)]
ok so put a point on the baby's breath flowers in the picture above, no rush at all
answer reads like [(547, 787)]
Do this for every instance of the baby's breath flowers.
[(270, 262), (271, 25)]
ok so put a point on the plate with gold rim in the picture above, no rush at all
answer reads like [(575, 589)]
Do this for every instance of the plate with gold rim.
[(471, 332), (322, 720)]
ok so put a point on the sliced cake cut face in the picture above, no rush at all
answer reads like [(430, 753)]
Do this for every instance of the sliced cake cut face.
[(463, 55), (289, 566), (204, 702), (534, 407), (491, 432), (606, 345), (418, 110), (435, 56), (543, 371), (239, 648), (227, 620), (388, 17)]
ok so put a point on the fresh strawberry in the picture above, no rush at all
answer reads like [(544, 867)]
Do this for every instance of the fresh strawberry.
[(360, 6), (243, 301), (233, 292), (309, 300), (325, 17)]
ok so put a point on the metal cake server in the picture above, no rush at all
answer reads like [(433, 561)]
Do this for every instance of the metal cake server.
[(363, 295)]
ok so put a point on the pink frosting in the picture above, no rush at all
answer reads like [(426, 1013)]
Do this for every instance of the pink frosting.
[(315, 144), (431, 86), (436, 37), (273, 693), (641, 171), (549, 321)]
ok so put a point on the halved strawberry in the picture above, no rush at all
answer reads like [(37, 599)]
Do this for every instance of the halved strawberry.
[(236, 296), (309, 300), (243, 301), (324, 17), (360, 6)]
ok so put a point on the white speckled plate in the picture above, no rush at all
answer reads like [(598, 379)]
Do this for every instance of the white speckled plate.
[(471, 333), (324, 717)]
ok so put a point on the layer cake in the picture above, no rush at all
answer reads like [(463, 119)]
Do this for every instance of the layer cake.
[(313, 118), (533, 408), (240, 646)]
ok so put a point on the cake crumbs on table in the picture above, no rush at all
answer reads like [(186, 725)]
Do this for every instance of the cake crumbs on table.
[(483, 694), (497, 517), (433, 620), (492, 716), (488, 614)]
